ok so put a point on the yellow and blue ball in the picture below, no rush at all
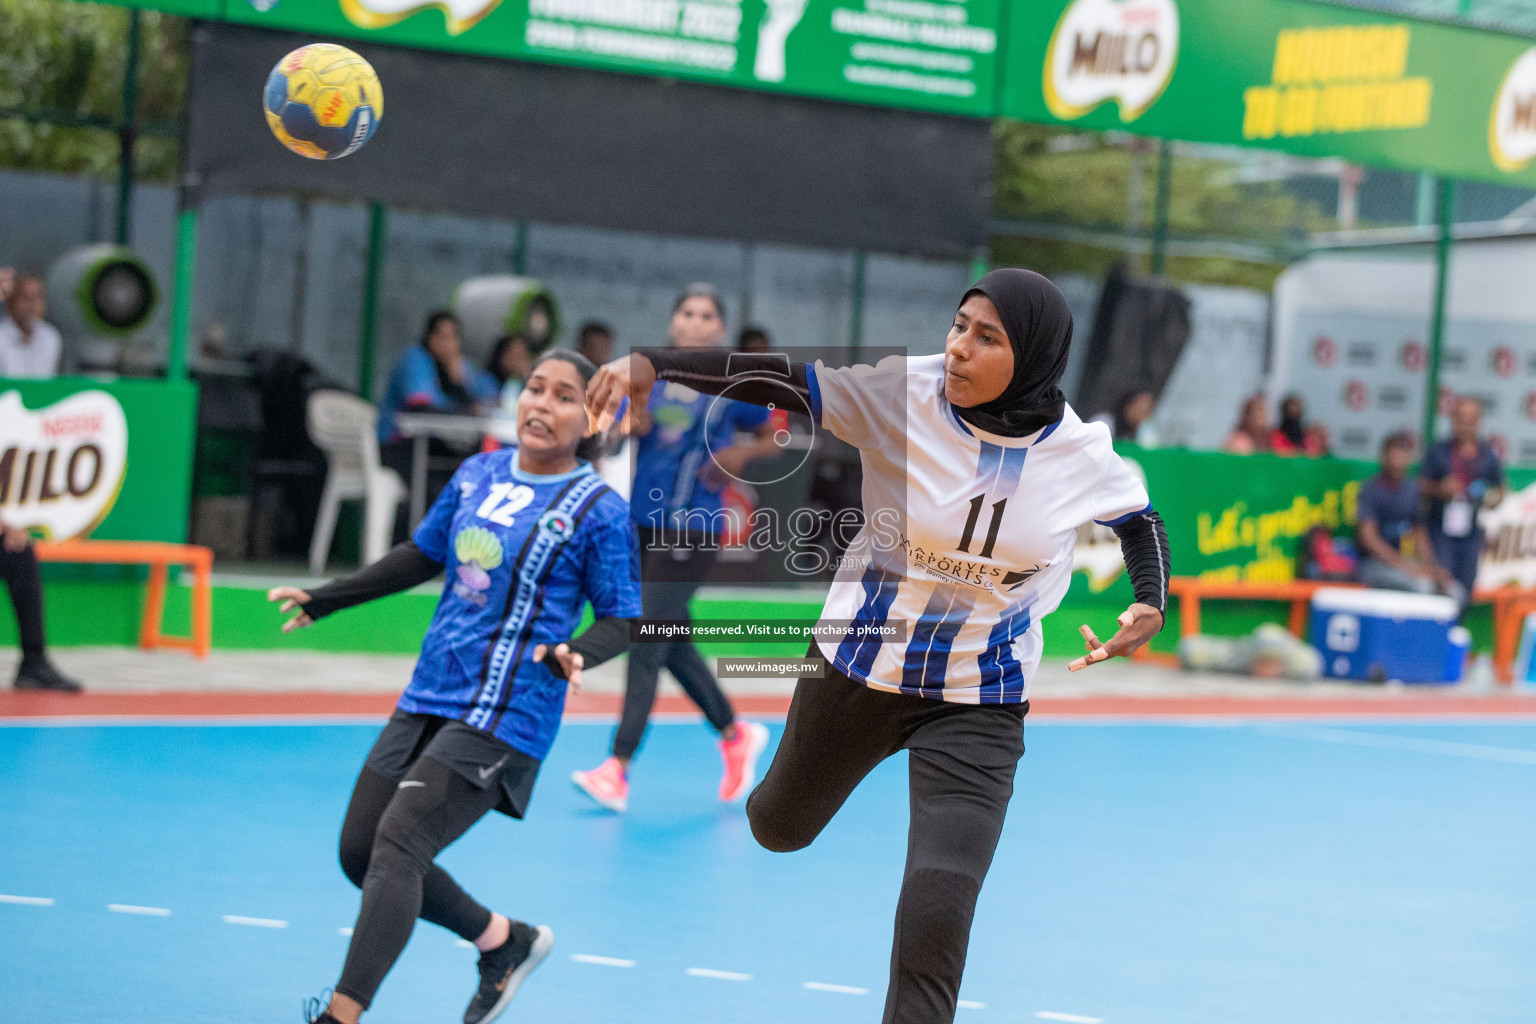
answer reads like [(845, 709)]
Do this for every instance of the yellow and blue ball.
[(323, 101)]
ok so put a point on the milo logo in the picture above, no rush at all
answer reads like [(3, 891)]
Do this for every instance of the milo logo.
[(1102, 50), (1512, 124)]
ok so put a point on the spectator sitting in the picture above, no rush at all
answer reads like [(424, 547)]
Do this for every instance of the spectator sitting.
[(432, 376), (29, 346), (509, 366), (1293, 436), (753, 339), (1252, 433), (1461, 476), (595, 341), (1389, 530)]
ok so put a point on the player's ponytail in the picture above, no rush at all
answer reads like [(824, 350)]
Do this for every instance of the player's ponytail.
[(589, 448)]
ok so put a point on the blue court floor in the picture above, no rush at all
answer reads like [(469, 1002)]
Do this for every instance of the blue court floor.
[(1272, 874)]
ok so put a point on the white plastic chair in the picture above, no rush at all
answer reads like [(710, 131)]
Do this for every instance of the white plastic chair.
[(343, 426)]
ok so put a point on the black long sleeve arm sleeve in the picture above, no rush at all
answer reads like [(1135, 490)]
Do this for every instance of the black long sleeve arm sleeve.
[(1144, 546), (604, 639), (757, 378), (404, 567)]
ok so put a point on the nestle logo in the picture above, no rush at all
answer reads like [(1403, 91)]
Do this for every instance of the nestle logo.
[(64, 426), (1361, 354)]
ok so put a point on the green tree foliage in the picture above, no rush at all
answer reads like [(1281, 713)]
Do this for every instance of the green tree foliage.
[(66, 60), (1085, 182)]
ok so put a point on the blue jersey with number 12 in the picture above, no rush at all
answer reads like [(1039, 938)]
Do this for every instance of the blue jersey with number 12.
[(524, 554)]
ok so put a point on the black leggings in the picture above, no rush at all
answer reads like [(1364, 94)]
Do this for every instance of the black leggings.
[(19, 570), (391, 834), (962, 761), (667, 584)]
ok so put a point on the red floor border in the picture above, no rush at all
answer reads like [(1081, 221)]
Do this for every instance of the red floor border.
[(237, 705)]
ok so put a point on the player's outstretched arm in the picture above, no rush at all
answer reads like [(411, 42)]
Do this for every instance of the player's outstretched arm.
[(404, 567), (630, 377), (1144, 546), (1138, 624)]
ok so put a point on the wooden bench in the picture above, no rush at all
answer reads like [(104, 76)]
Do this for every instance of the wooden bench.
[(159, 557), (1191, 590), (1510, 607)]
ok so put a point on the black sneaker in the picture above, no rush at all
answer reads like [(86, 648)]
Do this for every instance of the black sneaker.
[(506, 967), (38, 673), (317, 1009)]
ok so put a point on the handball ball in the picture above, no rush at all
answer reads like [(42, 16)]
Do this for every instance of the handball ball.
[(323, 101)]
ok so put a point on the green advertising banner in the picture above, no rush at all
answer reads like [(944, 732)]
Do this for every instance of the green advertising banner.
[(211, 9), (1310, 78), (928, 54), (108, 460), (1247, 517)]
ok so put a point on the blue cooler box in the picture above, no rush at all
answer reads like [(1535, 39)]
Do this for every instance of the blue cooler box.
[(1377, 635)]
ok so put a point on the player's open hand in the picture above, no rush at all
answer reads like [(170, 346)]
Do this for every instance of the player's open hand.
[(293, 600), (570, 663), (1138, 624), (630, 377)]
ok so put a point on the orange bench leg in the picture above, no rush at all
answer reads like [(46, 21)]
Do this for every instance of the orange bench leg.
[(1506, 639), (1189, 613), (1300, 609), (202, 607), (154, 607)]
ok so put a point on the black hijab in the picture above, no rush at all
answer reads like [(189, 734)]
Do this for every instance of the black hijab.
[(1039, 326)]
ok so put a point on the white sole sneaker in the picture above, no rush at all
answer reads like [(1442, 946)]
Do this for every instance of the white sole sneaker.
[(543, 942), (757, 742), (617, 805)]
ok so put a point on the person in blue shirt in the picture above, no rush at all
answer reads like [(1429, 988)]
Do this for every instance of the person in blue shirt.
[(528, 536), (685, 455), (1461, 476), (432, 376), (1389, 529)]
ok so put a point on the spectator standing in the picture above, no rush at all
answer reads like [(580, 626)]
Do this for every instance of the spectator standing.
[(29, 346), (1253, 431), (595, 341), (1461, 476), (18, 560), (1395, 548)]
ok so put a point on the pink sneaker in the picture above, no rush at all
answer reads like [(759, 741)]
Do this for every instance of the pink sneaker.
[(608, 784), (740, 756)]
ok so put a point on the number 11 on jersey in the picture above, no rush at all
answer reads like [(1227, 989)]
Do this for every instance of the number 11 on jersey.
[(970, 525)]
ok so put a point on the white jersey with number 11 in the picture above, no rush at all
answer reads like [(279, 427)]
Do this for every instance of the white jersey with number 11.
[(968, 535)]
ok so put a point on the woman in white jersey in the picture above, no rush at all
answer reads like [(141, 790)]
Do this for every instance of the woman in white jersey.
[(977, 475)]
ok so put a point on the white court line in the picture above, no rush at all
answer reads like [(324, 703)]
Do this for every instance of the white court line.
[(971, 1004), (346, 932), (1417, 744), (706, 972), (847, 990), (601, 961), (1070, 1018), (255, 922), (28, 901), (129, 908)]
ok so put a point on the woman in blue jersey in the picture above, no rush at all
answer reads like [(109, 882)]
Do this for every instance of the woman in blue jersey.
[(685, 453), (528, 536), (976, 477)]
